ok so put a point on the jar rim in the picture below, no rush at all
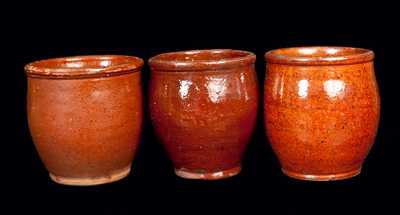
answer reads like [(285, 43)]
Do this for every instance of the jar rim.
[(85, 66), (319, 55), (207, 59)]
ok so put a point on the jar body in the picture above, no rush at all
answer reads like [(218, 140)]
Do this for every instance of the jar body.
[(321, 120), (204, 118), (86, 130)]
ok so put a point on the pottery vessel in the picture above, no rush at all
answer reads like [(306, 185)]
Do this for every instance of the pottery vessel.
[(203, 107), (85, 116), (321, 110)]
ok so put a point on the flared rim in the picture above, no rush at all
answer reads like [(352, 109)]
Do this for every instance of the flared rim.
[(319, 55), (201, 60), (84, 66)]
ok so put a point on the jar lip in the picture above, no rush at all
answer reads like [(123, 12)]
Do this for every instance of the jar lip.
[(206, 59), (319, 55), (85, 66)]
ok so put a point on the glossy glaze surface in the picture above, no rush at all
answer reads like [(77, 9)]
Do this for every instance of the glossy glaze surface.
[(85, 116), (203, 107), (321, 110)]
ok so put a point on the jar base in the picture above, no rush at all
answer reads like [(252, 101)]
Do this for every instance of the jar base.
[(328, 177), (89, 181), (183, 173)]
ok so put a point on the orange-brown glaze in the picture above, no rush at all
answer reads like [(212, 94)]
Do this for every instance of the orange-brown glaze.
[(321, 110), (203, 107), (85, 116)]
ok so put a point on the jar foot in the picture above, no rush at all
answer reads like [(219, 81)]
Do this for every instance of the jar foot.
[(184, 173), (327, 177), (88, 181)]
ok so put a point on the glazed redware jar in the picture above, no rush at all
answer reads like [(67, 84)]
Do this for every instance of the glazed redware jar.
[(85, 116), (321, 110), (203, 107)]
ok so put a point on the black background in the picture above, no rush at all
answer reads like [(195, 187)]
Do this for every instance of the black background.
[(58, 29)]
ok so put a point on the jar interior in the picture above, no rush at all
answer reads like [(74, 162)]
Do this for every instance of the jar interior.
[(84, 62), (211, 55), (320, 51), (84, 66)]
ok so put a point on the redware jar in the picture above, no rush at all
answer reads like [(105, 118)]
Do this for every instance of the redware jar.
[(85, 116), (321, 110), (203, 107)]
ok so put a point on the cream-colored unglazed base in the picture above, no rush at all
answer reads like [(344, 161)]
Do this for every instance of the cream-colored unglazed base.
[(208, 175), (89, 181), (328, 177)]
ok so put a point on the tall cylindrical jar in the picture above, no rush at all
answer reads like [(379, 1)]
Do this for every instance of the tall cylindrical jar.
[(203, 106), (85, 116), (321, 110)]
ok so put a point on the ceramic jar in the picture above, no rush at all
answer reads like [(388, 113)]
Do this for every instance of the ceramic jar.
[(85, 116), (321, 110), (203, 107)]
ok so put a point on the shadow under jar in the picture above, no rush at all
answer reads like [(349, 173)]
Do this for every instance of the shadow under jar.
[(203, 106), (85, 116), (321, 110)]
